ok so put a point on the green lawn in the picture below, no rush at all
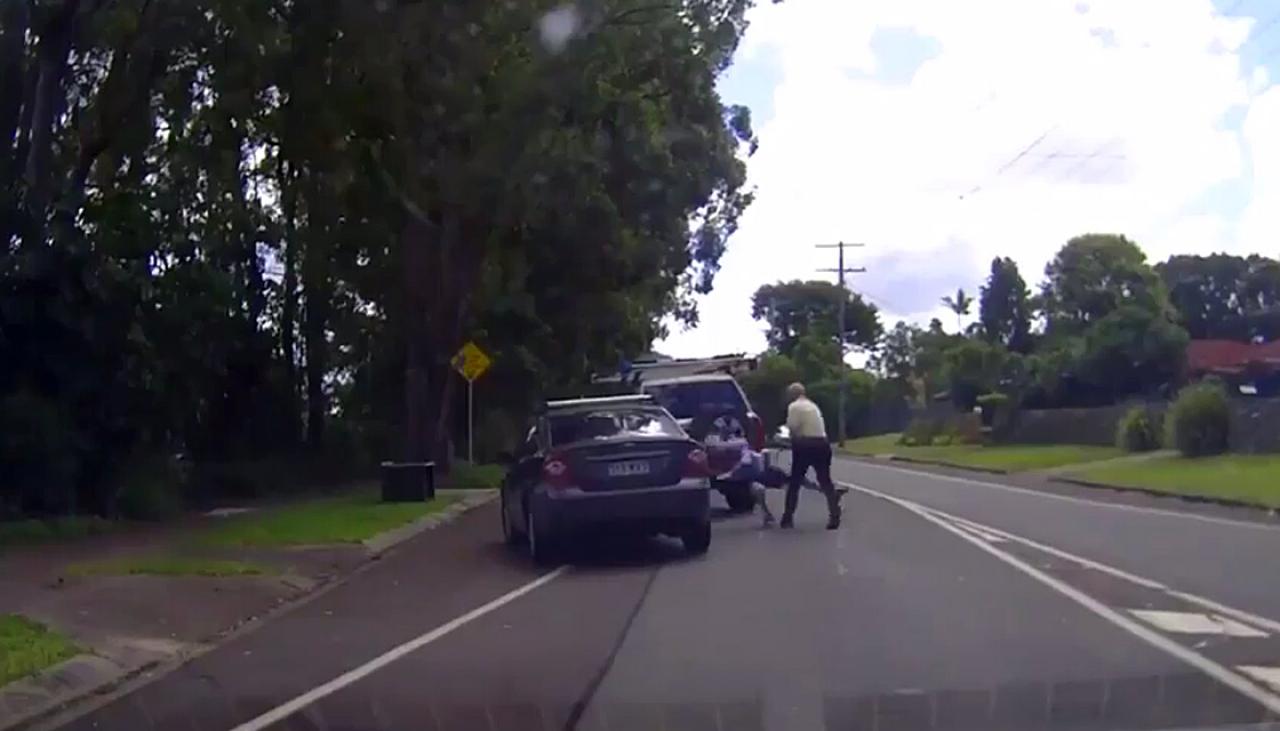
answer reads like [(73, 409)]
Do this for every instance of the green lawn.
[(346, 519), (167, 566), (467, 476), (27, 647), (26, 532), (1008, 458), (1249, 478)]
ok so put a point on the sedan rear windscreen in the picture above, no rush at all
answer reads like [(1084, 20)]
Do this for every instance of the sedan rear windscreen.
[(610, 424), (697, 398)]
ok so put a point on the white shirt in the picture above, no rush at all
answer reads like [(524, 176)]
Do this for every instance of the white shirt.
[(804, 420)]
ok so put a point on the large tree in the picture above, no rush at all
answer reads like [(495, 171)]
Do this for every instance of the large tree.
[(1223, 296), (1005, 306), (798, 308), (1094, 275)]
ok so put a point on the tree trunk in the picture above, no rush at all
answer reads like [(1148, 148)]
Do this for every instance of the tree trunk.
[(47, 107), (315, 293), (289, 306), (15, 18), (414, 242)]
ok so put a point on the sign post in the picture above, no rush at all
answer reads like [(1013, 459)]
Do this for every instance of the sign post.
[(471, 362)]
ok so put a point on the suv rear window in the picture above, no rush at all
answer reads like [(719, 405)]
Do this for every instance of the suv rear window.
[(581, 426), (696, 398)]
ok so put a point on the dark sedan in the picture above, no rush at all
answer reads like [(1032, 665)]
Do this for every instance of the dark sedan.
[(616, 464)]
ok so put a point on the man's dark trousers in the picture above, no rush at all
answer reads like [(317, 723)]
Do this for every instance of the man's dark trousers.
[(815, 453)]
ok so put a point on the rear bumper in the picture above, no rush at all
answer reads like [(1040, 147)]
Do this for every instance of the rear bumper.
[(655, 509)]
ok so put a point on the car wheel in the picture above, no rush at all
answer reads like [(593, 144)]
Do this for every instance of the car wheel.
[(510, 536), (738, 495), (697, 539), (541, 546)]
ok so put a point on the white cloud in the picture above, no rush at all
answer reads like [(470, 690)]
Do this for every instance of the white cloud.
[(1127, 100)]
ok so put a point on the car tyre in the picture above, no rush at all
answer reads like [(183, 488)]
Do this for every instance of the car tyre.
[(697, 539), (738, 496), (542, 548)]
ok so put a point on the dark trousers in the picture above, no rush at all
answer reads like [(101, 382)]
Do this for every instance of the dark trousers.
[(815, 453)]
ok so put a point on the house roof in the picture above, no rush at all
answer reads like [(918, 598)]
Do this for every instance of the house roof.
[(1230, 356)]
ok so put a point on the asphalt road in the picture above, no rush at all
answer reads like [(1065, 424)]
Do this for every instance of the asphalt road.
[(941, 604)]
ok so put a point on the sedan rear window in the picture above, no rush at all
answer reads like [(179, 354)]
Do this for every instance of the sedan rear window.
[(611, 423), (696, 398)]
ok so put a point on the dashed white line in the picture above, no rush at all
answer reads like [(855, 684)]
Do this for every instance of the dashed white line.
[(283, 711), (1195, 623), (1225, 675)]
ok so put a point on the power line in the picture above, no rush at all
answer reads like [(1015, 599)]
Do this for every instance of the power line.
[(840, 272)]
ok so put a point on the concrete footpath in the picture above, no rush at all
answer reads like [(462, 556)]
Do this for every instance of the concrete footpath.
[(130, 627)]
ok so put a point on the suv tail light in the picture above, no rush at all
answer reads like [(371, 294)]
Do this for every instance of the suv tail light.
[(695, 464), (755, 435), (555, 471)]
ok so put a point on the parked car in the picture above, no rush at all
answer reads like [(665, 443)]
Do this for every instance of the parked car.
[(713, 409), (618, 463)]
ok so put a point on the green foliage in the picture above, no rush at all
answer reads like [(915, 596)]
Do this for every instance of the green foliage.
[(69, 527), (345, 519), (961, 304), (1221, 296), (766, 385), (1005, 307), (922, 431), (972, 369), (1139, 430), (797, 309), (1094, 275), (151, 487), (215, 253), (1246, 478), (467, 476), (1131, 350), (1199, 421), (27, 647)]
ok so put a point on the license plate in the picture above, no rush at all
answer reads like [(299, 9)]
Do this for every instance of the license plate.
[(628, 469)]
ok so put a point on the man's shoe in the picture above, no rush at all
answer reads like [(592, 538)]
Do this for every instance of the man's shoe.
[(786, 522), (833, 522)]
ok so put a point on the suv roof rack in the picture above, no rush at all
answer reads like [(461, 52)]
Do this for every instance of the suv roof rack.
[(636, 399)]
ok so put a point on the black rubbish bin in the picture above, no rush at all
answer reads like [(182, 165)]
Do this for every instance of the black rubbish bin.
[(406, 482)]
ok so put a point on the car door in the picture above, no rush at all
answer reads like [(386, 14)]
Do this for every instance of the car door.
[(523, 475)]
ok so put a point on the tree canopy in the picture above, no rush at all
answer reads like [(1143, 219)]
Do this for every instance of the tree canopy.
[(1005, 306), (1225, 297), (798, 308), (235, 227)]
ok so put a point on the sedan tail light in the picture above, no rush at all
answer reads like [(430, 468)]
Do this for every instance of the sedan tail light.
[(755, 429), (555, 471), (695, 464)]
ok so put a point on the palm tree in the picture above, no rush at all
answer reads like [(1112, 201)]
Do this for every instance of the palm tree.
[(960, 304)]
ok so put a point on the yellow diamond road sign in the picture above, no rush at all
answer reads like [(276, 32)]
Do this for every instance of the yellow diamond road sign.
[(471, 361)]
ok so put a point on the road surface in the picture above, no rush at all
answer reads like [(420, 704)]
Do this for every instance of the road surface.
[(943, 603)]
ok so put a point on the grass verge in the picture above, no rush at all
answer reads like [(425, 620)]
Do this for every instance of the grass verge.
[(467, 476), (167, 566), (1242, 477), (345, 519), (32, 531), (1005, 457), (28, 647)]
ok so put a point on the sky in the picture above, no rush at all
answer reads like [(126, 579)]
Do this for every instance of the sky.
[(941, 134)]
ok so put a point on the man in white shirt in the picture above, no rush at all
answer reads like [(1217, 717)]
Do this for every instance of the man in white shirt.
[(809, 448)]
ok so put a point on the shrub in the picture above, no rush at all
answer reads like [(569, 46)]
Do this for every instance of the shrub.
[(151, 487), (1199, 422), (964, 429), (921, 432), (1138, 431)]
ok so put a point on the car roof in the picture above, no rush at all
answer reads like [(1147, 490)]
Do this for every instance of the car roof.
[(700, 378), (632, 401)]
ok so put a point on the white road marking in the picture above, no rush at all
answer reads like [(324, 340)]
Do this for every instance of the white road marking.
[(281, 712), (1221, 673), (1247, 617), (1195, 623), (1268, 675), (1080, 500)]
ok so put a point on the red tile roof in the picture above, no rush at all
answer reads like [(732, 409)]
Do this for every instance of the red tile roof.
[(1229, 355)]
